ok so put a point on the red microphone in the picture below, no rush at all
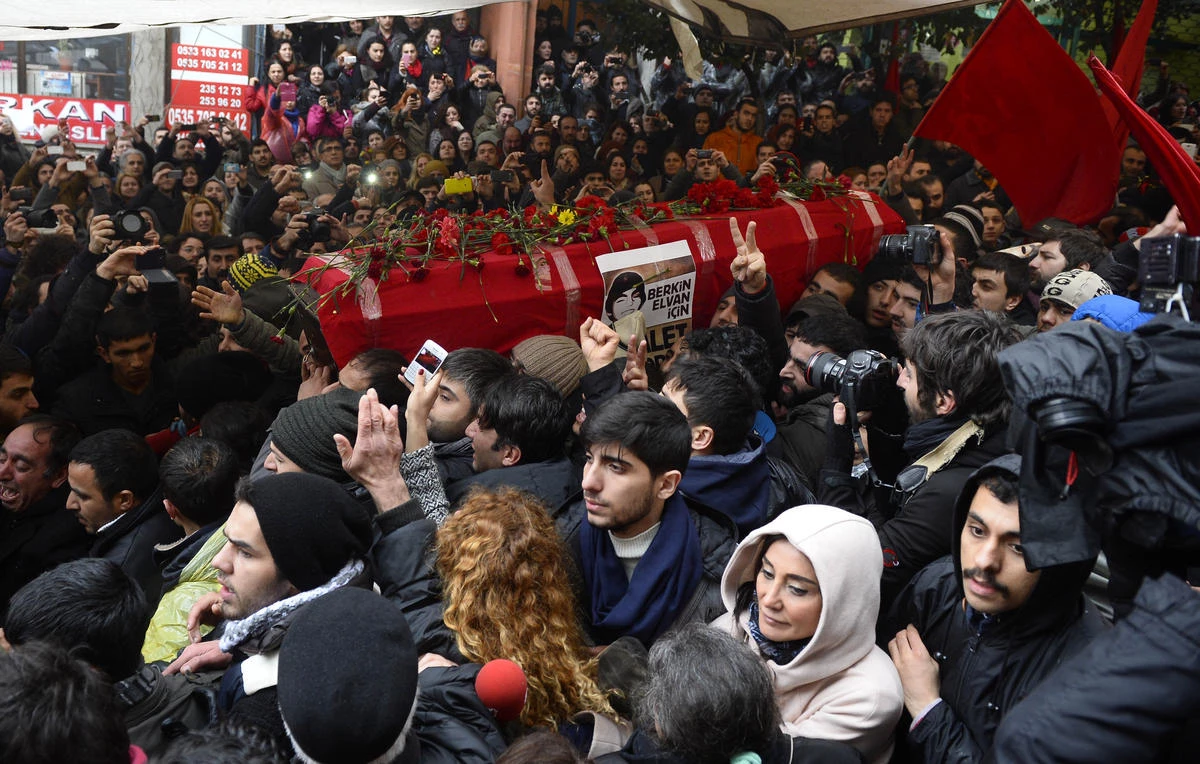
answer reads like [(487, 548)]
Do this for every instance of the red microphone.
[(500, 684)]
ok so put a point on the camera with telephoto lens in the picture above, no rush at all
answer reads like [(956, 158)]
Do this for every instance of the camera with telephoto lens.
[(317, 231), (920, 246), (1168, 271), (130, 226), (863, 380), (45, 218)]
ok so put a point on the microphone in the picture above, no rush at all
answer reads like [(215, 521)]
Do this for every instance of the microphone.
[(501, 686)]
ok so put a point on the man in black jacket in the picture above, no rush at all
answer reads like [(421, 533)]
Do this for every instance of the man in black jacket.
[(980, 631), (133, 389), (519, 440), (957, 410), (114, 491), (36, 531)]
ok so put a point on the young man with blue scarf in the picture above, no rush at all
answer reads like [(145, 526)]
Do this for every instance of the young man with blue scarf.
[(649, 559)]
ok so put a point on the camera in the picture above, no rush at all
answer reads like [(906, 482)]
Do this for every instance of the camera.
[(131, 226), (317, 231), (704, 153), (864, 380), (1168, 271), (38, 218), (920, 246)]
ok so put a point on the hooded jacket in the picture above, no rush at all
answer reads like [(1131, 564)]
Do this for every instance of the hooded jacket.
[(988, 664), (841, 686), (737, 485)]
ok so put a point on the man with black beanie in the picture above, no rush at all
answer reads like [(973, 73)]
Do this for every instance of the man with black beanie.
[(292, 538)]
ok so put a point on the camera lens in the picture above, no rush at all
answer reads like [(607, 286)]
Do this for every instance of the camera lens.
[(825, 371), (131, 226), (893, 246)]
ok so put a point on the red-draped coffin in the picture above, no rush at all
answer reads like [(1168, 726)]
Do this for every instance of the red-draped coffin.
[(451, 304)]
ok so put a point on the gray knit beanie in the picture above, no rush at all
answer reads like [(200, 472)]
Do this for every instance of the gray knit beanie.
[(304, 431)]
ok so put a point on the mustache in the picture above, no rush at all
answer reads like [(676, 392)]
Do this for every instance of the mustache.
[(985, 577)]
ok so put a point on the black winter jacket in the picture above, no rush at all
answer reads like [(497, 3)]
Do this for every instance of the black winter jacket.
[(553, 482), (1124, 697), (987, 665), (130, 542), (922, 529), (35, 540)]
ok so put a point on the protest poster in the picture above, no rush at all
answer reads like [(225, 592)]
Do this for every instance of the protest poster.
[(659, 282)]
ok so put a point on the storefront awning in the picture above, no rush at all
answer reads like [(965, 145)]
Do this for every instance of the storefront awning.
[(775, 21), (761, 21), (87, 18)]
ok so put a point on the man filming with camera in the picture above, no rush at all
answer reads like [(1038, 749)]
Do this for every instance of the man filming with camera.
[(957, 414)]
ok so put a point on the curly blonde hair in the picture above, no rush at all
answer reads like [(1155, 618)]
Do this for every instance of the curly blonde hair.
[(506, 594)]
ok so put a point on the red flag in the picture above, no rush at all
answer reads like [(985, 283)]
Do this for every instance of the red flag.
[(1021, 106), (1128, 65), (1177, 170), (892, 84)]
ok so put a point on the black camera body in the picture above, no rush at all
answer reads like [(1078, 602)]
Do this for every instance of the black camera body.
[(863, 380), (317, 231), (921, 245), (131, 226), (45, 218), (1168, 269)]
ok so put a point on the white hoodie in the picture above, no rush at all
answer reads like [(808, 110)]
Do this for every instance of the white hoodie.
[(841, 686)]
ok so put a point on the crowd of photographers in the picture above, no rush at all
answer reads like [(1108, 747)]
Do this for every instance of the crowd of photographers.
[(798, 538)]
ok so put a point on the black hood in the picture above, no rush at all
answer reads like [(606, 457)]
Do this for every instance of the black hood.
[(1057, 597)]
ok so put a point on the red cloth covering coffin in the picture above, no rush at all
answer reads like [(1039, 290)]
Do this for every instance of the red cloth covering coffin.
[(448, 305)]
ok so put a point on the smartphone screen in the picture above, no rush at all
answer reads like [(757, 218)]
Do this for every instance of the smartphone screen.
[(429, 358)]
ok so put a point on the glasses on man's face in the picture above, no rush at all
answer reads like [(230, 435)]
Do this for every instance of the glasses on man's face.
[(331, 149)]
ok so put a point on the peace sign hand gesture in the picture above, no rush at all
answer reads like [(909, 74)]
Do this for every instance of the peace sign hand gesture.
[(749, 268)]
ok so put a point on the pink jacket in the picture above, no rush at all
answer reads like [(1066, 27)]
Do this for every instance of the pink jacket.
[(279, 133), (326, 124)]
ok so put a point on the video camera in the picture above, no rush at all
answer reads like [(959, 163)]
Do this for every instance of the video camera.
[(1168, 271)]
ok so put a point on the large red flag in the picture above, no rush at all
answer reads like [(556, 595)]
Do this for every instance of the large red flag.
[(1128, 65), (1022, 107), (1177, 170)]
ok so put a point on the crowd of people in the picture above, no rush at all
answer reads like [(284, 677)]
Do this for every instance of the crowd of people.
[(219, 545)]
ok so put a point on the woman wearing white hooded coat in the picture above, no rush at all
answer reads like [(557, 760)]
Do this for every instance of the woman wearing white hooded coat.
[(803, 592)]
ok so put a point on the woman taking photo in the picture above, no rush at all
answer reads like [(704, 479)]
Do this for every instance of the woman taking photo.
[(447, 124), (803, 592)]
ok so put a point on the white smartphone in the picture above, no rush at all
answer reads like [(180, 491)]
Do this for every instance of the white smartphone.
[(54, 150), (78, 166), (349, 60), (429, 358)]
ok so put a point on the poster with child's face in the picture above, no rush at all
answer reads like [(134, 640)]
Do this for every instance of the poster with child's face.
[(659, 282)]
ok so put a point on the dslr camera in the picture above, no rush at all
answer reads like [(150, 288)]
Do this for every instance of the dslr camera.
[(44, 218), (130, 226), (317, 231), (864, 380), (921, 245), (1168, 271)]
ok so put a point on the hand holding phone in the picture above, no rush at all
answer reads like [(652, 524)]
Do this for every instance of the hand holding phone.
[(429, 357)]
